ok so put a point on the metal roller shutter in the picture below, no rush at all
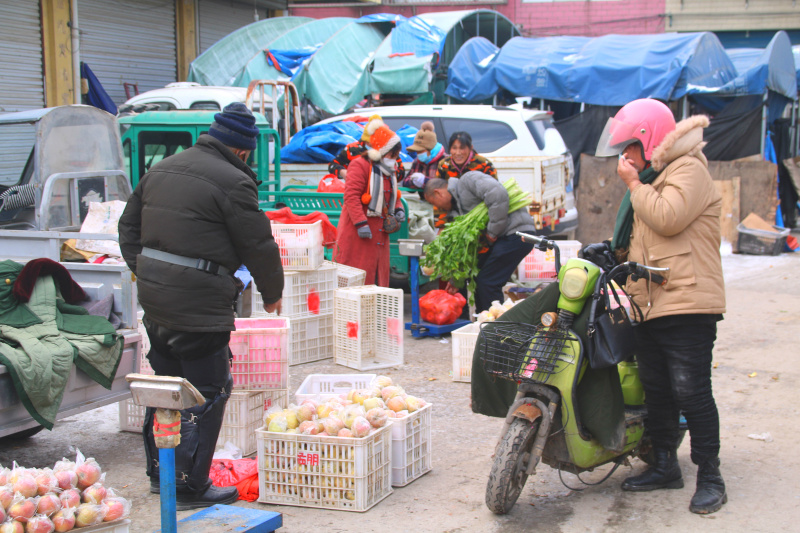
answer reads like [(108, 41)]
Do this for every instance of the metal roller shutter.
[(218, 18), (128, 41), (21, 82)]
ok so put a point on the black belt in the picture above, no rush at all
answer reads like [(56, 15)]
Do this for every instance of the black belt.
[(203, 265)]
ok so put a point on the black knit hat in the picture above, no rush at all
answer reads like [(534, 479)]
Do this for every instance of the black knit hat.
[(235, 127)]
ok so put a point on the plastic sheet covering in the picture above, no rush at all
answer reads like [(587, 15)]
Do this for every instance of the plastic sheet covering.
[(380, 17), (315, 33), (399, 73), (613, 69), (320, 143), (418, 35), (759, 69), (288, 61), (335, 78), (796, 54), (223, 62), (466, 71)]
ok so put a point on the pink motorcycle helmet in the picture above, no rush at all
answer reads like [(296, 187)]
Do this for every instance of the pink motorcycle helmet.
[(646, 120)]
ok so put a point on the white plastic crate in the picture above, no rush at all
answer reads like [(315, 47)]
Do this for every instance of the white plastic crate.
[(542, 265), (311, 339), (305, 293), (300, 245), (341, 473), (244, 414), (348, 276), (261, 353), (131, 416), (411, 446), (321, 387), (368, 327), (464, 340)]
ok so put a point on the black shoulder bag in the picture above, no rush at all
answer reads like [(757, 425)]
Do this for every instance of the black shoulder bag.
[(610, 331)]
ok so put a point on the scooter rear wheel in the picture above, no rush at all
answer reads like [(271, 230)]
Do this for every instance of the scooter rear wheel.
[(508, 475)]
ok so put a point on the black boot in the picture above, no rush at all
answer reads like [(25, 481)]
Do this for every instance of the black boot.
[(710, 493), (150, 450), (665, 474)]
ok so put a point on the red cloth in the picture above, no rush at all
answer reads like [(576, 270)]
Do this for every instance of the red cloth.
[(33, 270), (285, 216), (240, 472), (370, 255)]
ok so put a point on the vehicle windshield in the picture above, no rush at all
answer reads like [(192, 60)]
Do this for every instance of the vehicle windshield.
[(538, 128)]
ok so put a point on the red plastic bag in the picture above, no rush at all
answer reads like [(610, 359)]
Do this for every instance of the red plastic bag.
[(441, 308), (330, 183), (285, 216), (240, 472)]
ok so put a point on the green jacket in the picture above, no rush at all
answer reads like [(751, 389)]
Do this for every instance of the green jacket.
[(41, 339)]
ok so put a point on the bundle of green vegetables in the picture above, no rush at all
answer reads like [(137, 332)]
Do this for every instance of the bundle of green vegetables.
[(453, 255)]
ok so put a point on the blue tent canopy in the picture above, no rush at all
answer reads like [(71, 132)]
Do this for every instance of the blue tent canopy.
[(759, 69), (610, 70), (466, 72)]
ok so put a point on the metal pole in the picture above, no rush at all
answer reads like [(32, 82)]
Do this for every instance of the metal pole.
[(166, 461), (764, 123), (76, 53), (414, 264), (685, 108), (583, 107)]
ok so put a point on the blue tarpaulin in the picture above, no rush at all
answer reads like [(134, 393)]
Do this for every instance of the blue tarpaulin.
[(611, 70), (466, 72), (320, 143), (288, 61), (417, 36), (759, 69)]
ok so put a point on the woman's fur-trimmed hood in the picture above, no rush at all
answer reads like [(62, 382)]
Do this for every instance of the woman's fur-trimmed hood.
[(685, 139)]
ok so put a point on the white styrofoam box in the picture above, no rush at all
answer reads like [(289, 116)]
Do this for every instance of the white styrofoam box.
[(348, 276), (300, 245), (368, 327), (542, 265), (412, 454), (321, 387), (348, 474), (464, 340), (311, 339), (305, 293), (261, 352), (244, 414)]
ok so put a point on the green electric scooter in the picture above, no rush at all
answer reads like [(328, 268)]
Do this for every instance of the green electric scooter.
[(547, 360)]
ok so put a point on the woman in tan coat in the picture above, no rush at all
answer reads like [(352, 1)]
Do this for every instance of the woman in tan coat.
[(670, 218)]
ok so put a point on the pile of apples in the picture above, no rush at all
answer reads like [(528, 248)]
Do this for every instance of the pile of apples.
[(357, 413), (69, 495)]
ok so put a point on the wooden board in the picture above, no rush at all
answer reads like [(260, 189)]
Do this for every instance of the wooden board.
[(600, 192), (730, 215)]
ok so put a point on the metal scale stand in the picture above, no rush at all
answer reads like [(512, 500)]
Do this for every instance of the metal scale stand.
[(412, 248), (169, 395)]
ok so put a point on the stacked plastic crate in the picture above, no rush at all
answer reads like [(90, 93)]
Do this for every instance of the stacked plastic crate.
[(540, 265), (131, 416), (260, 371), (309, 284), (368, 327)]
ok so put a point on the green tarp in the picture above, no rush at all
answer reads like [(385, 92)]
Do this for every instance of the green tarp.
[(223, 62)]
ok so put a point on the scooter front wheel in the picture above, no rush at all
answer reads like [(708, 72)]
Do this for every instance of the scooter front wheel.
[(509, 470)]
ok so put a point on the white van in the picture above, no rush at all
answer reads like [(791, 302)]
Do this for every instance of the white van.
[(190, 95), (521, 144)]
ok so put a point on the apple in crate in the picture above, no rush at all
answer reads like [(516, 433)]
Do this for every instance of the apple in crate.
[(12, 526), (22, 509), (64, 520), (39, 524)]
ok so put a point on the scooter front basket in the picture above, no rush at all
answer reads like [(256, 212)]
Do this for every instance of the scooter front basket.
[(522, 352)]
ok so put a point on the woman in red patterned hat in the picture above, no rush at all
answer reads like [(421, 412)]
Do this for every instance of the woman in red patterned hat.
[(372, 208)]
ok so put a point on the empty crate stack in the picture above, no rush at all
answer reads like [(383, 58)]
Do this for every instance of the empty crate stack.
[(131, 416), (542, 265), (368, 327), (309, 284), (260, 371)]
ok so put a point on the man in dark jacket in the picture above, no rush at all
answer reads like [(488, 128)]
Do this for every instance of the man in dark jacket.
[(502, 248), (189, 225)]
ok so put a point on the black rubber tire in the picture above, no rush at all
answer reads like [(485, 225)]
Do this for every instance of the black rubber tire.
[(507, 477)]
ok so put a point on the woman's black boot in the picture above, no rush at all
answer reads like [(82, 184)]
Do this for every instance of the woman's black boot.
[(664, 474), (710, 494)]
